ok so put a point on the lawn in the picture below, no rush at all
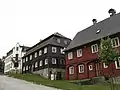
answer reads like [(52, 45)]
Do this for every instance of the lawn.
[(61, 84)]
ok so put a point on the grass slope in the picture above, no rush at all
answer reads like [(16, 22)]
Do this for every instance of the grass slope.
[(61, 84)]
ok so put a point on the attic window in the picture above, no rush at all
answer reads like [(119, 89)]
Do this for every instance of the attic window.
[(98, 31)]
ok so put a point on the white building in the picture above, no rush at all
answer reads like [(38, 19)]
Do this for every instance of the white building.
[(17, 50)]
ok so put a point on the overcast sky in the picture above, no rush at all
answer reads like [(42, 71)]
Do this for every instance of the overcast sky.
[(28, 21)]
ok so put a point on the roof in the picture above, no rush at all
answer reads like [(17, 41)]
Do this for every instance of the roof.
[(104, 28), (47, 41)]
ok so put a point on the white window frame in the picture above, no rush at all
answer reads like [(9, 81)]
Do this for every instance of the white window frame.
[(95, 46), (27, 67), (81, 67), (116, 63), (45, 50), (54, 49), (40, 52), (36, 64), (61, 50), (46, 61), (26, 59), (113, 40), (54, 60), (23, 68), (70, 55), (79, 53), (90, 67), (105, 66), (31, 57), (35, 54), (40, 62), (70, 70)]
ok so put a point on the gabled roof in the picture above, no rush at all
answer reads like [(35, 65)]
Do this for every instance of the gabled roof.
[(47, 41), (104, 28)]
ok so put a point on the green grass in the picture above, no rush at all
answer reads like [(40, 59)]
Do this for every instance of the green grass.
[(61, 84)]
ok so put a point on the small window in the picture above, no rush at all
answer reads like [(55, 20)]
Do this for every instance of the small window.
[(53, 60), (71, 70), (65, 42), (30, 57), (40, 52), (61, 50), (23, 68), (70, 55), (46, 61), (115, 42), (117, 63), (58, 40), (62, 61), (54, 49), (105, 65), (17, 48), (45, 50), (79, 53), (90, 67), (35, 54), (81, 68), (36, 64), (26, 67), (41, 63), (26, 59), (94, 48)]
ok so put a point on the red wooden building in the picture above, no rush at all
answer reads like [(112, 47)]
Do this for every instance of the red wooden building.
[(82, 60)]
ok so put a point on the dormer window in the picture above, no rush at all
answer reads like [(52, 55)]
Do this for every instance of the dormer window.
[(58, 40), (94, 48), (115, 42)]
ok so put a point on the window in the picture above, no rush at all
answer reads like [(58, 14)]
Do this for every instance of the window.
[(105, 65), (45, 50), (23, 60), (90, 67), (58, 40), (17, 48), (79, 53), (30, 57), (94, 48), (33, 66), (65, 42), (115, 42), (46, 61), (36, 64), (62, 61), (70, 55), (71, 70), (35, 54), (40, 52), (26, 59), (41, 63), (81, 68), (61, 50), (117, 63), (53, 60), (26, 67), (23, 68), (54, 49)]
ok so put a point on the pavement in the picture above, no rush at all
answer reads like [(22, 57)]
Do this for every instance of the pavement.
[(9, 83)]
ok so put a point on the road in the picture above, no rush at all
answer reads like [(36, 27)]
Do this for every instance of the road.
[(8, 83)]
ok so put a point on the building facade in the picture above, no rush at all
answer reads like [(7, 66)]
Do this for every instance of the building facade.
[(47, 57), (82, 61), (18, 51)]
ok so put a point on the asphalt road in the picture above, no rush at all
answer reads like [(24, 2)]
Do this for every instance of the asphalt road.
[(8, 83)]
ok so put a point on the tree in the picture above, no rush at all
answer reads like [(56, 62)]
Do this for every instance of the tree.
[(108, 55)]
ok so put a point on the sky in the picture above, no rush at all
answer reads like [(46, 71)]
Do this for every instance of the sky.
[(28, 21)]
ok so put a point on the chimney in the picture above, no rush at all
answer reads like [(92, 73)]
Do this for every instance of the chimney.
[(112, 12), (94, 21)]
